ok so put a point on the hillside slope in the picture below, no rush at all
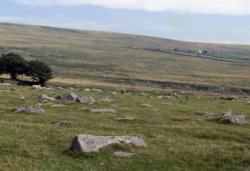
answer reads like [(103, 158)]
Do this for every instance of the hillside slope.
[(101, 55)]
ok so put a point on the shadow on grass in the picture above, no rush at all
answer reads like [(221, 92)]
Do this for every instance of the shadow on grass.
[(18, 82)]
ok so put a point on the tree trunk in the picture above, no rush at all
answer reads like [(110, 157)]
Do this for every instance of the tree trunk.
[(42, 82), (13, 76)]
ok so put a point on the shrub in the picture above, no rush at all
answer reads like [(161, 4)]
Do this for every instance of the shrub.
[(13, 64), (40, 72)]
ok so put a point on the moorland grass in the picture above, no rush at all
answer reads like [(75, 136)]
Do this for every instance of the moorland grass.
[(178, 137), (91, 55)]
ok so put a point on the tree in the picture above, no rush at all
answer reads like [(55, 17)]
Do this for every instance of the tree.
[(40, 72), (13, 64)]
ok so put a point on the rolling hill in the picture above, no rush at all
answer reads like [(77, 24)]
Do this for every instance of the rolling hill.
[(112, 57)]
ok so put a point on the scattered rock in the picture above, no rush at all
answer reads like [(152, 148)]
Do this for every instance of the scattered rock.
[(57, 105), (229, 118), (60, 88), (125, 119), (90, 143), (96, 90), (31, 109), (146, 105), (72, 97), (38, 87), (85, 100), (167, 97), (63, 123), (21, 97), (87, 90), (248, 103), (123, 91), (123, 154), (104, 110), (105, 100), (45, 97), (114, 92)]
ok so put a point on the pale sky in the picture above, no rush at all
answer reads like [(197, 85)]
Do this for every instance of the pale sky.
[(220, 21)]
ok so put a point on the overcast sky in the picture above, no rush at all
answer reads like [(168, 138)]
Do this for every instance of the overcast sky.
[(221, 21)]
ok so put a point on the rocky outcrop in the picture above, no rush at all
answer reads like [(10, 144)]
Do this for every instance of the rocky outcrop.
[(90, 143), (30, 109)]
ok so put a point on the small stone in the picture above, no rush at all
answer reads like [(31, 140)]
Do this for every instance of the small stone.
[(63, 123), (146, 105), (36, 87), (248, 103), (45, 97), (39, 87), (31, 109), (68, 97), (113, 92), (87, 90), (167, 97), (123, 154), (105, 100), (104, 110), (21, 97), (85, 100)]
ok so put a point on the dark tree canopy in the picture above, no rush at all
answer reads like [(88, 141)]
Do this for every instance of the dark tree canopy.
[(40, 72), (13, 64)]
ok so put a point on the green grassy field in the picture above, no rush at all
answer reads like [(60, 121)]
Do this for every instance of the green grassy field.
[(178, 137)]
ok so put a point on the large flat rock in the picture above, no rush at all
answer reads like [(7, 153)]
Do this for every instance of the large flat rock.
[(90, 143), (229, 118)]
